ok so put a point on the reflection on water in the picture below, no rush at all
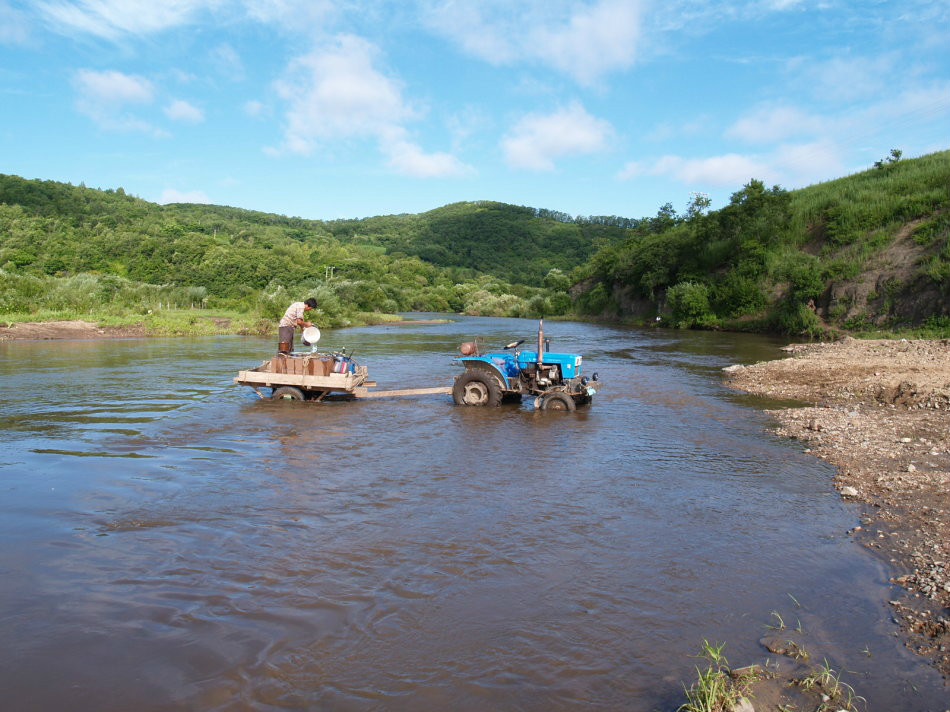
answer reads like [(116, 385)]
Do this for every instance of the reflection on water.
[(171, 541)]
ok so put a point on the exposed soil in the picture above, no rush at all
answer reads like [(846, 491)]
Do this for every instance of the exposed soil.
[(68, 330), (880, 412)]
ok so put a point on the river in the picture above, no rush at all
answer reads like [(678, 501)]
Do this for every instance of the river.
[(170, 541)]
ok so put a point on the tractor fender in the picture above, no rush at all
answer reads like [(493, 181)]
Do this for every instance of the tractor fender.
[(486, 364)]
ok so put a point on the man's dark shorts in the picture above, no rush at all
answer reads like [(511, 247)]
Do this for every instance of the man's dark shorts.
[(286, 333)]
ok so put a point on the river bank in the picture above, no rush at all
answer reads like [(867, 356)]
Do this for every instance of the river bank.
[(880, 412), (187, 325)]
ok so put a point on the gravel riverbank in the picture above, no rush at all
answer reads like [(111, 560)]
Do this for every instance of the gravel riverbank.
[(880, 412)]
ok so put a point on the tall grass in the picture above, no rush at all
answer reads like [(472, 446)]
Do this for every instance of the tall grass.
[(846, 209)]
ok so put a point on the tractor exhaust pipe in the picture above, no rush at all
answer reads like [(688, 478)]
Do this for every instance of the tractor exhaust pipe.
[(540, 341)]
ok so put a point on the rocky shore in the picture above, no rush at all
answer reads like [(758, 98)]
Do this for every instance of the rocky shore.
[(880, 412)]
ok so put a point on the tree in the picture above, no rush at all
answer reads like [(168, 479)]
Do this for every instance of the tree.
[(890, 160)]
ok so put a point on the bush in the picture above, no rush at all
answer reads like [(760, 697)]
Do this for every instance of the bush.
[(738, 295), (797, 319), (594, 301), (689, 304)]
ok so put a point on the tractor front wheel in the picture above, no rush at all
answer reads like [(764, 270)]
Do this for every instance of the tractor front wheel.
[(476, 388), (557, 401)]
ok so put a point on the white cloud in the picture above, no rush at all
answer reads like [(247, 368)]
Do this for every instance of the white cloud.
[(789, 165), (114, 19), (112, 87), (111, 19), (14, 28), (336, 92), (725, 170), (583, 40), (170, 195), (105, 96), (536, 140), (409, 159), (595, 41), (254, 108), (180, 110), (779, 5), (806, 163), (846, 79), (768, 124), (292, 15), (890, 115), (227, 62), (921, 103)]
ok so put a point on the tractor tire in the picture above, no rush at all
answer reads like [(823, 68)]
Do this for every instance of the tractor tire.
[(476, 388), (557, 401), (287, 393)]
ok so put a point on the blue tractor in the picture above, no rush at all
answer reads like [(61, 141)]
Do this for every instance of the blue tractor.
[(496, 377)]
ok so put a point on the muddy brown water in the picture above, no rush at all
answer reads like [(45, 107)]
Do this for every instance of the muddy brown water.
[(172, 542)]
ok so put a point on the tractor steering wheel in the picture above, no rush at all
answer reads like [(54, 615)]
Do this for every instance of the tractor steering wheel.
[(513, 344)]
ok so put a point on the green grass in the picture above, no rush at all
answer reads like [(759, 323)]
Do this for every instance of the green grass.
[(848, 208), (181, 322), (828, 681), (716, 689)]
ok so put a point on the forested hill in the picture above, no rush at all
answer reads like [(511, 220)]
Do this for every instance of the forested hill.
[(516, 243), (867, 251), (76, 252), (96, 228), (860, 253)]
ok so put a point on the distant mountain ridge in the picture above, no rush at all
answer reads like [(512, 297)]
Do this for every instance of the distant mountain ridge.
[(512, 242)]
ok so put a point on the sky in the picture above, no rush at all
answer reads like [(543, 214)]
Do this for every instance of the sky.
[(343, 109)]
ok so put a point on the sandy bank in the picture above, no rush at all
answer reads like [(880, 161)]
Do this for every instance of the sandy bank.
[(68, 330), (880, 412)]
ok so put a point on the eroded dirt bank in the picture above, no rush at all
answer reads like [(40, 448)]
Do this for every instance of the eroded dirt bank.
[(68, 330), (880, 412)]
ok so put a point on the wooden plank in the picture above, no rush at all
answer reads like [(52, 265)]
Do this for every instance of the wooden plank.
[(335, 381), (366, 393)]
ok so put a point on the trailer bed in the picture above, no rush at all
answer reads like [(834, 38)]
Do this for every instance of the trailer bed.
[(355, 384)]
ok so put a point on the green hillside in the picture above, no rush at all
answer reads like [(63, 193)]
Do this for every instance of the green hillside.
[(868, 251), (71, 250)]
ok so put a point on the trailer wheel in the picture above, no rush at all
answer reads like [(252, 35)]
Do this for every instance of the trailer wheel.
[(557, 401), (476, 388), (287, 393)]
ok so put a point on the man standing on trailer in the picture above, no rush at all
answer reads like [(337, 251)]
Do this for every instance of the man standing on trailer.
[(291, 319)]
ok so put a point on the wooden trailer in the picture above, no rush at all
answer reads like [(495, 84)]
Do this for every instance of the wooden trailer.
[(311, 377)]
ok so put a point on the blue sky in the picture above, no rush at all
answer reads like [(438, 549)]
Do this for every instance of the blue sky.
[(355, 108)]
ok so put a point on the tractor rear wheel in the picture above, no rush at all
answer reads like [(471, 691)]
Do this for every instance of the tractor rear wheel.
[(557, 401), (476, 388)]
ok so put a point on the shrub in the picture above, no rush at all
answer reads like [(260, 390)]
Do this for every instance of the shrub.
[(689, 304), (594, 301), (738, 295)]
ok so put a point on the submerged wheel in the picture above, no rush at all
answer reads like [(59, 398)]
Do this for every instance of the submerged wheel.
[(476, 388), (287, 393), (557, 401)]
